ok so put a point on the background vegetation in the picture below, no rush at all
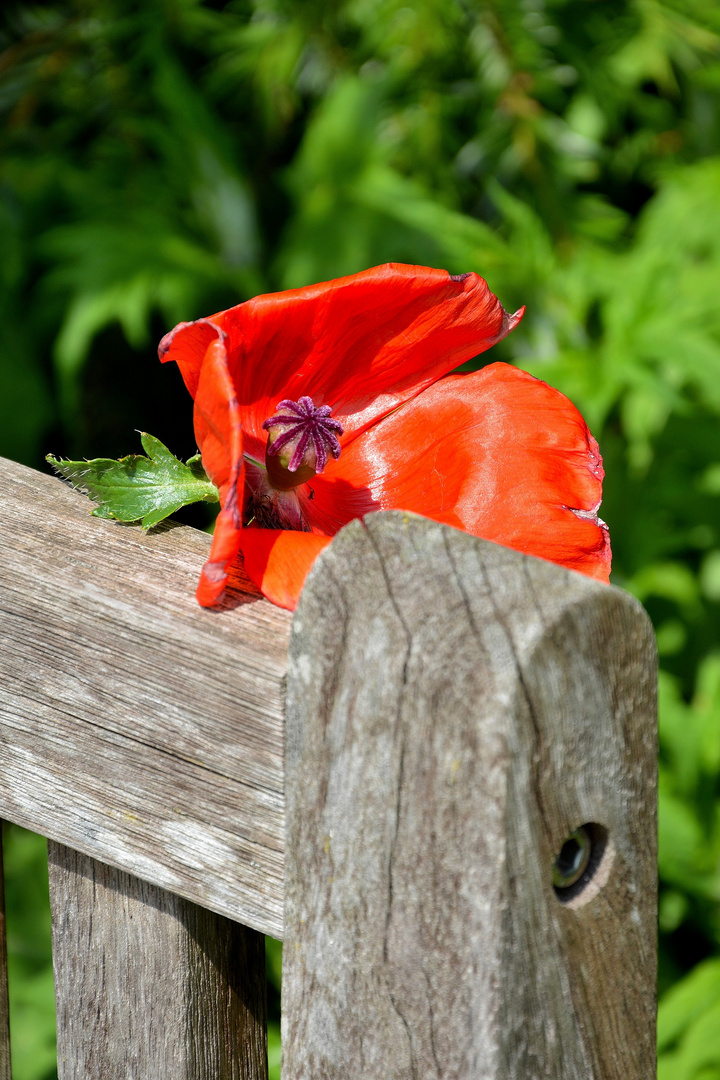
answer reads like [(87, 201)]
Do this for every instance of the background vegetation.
[(162, 159)]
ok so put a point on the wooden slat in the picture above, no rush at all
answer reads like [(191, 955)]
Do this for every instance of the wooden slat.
[(134, 726), (148, 984), (455, 712), (5, 1069)]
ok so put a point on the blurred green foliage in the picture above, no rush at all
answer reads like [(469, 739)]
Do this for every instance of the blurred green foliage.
[(161, 159), (32, 1004)]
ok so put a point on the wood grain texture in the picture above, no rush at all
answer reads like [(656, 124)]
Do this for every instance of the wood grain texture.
[(5, 1069), (455, 711), (135, 726), (149, 985)]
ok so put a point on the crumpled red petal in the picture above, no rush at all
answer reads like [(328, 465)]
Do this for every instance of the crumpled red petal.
[(497, 453), (218, 431), (187, 344), (279, 560), (362, 344), (224, 550)]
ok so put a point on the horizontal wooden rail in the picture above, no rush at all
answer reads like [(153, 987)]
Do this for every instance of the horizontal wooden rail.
[(136, 727)]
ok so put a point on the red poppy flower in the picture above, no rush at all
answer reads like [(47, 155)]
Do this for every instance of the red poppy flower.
[(319, 405)]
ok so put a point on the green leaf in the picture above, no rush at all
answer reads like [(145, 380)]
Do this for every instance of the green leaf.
[(137, 488), (687, 1001)]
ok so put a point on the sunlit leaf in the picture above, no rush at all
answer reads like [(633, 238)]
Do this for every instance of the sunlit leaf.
[(137, 488)]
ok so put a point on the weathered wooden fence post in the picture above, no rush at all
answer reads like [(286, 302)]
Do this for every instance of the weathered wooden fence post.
[(145, 980), (465, 728)]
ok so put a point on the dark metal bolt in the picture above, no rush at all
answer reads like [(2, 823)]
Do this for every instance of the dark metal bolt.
[(572, 862)]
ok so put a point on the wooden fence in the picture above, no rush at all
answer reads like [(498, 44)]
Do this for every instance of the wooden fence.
[(392, 782)]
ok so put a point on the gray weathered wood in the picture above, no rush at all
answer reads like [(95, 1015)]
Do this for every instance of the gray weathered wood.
[(149, 985), (455, 712), (5, 1070), (135, 726)]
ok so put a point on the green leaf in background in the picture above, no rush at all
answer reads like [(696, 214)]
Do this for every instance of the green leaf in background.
[(689, 1026), (136, 488), (687, 1001), (32, 1000)]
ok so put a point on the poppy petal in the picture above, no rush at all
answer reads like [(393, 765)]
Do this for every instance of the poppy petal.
[(496, 452), (187, 344), (279, 560), (218, 427), (218, 432), (361, 344), (225, 546)]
